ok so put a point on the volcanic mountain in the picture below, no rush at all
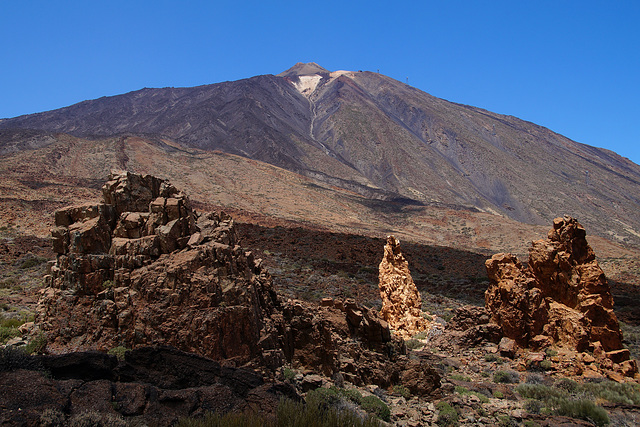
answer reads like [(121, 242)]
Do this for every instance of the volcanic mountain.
[(356, 132)]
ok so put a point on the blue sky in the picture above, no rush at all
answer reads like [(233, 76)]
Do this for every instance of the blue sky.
[(572, 66)]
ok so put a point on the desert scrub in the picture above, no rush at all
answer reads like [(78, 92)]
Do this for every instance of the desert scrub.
[(463, 390), (492, 358), (108, 284), (37, 344), (460, 377), (413, 344), (583, 409), (9, 329), (561, 402), (622, 393), (401, 390), (375, 406), (32, 262), (322, 408), (119, 352), (288, 374), (506, 377), (447, 414)]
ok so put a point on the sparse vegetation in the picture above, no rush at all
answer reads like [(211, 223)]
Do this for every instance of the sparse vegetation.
[(36, 345), (401, 391), (32, 262), (289, 374), (460, 377), (506, 377), (118, 352), (413, 344), (447, 414), (491, 357), (108, 284), (570, 399)]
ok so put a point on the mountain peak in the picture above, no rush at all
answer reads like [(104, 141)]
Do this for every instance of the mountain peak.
[(303, 69)]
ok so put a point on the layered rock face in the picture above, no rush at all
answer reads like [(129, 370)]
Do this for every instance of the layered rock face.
[(561, 297), (401, 302), (138, 270)]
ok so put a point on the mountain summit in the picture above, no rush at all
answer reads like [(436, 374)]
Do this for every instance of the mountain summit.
[(303, 69), (371, 135)]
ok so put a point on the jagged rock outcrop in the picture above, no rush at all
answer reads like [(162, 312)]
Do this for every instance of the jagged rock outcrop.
[(139, 270), (401, 302), (561, 297), (142, 268)]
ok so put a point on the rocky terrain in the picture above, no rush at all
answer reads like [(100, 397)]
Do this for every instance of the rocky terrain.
[(142, 269)]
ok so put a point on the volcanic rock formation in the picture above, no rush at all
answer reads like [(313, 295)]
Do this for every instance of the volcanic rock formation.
[(142, 268), (136, 270), (401, 302), (561, 297)]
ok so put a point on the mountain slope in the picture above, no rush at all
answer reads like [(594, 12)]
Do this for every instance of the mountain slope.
[(370, 134)]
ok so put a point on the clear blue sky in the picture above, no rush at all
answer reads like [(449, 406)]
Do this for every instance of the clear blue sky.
[(572, 66)]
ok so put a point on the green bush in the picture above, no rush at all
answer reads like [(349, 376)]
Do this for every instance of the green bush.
[(464, 390), (551, 352), (559, 400), (108, 284), (118, 352), (490, 357), (535, 379), (623, 393), (377, 407), (447, 414), (583, 409), (32, 262), (289, 374), (566, 384), (36, 345), (401, 391), (312, 414), (506, 377), (507, 421), (540, 392), (351, 395), (460, 377), (8, 332), (533, 406)]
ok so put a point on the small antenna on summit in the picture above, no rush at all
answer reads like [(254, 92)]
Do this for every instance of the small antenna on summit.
[(407, 80)]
